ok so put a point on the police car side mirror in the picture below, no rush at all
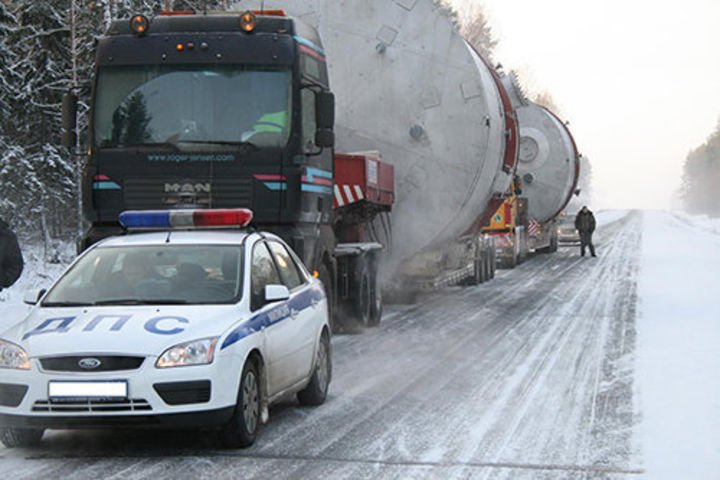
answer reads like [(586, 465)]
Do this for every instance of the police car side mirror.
[(32, 297), (276, 293)]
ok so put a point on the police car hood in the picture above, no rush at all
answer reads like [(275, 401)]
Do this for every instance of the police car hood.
[(139, 330)]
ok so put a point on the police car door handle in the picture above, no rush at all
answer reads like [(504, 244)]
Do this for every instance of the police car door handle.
[(294, 313)]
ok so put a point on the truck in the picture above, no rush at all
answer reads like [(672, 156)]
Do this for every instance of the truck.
[(234, 110), (545, 181)]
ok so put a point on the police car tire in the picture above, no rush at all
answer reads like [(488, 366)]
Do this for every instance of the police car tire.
[(238, 433), (316, 391), (20, 437)]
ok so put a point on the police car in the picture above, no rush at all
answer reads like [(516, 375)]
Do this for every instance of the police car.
[(177, 328)]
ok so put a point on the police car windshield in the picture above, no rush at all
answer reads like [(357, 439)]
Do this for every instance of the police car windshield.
[(212, 107), (152, 275)]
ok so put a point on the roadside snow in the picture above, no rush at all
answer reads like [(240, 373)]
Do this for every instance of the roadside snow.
[(36, 274), (603, 217), (678, 352)]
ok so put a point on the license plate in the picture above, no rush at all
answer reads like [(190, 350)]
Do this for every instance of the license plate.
[(87, 390)]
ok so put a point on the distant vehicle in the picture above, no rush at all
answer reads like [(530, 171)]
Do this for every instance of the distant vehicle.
[(566, 231), (175, 328)]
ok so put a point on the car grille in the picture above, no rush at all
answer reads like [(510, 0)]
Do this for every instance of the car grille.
[(92, 405), (12, 395), (183, 393), (107, 363)]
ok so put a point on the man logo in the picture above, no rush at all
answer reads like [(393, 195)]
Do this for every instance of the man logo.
[(89, 363), (187, 188)]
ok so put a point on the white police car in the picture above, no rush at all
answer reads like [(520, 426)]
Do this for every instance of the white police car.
[(173, 328)]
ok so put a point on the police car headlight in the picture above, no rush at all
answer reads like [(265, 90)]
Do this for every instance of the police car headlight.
[(197, 352), (13, 356)]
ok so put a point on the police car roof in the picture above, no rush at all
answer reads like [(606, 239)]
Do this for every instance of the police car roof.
[(180, 237)]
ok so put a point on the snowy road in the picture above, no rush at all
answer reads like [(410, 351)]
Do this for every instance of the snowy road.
[(530, 376)]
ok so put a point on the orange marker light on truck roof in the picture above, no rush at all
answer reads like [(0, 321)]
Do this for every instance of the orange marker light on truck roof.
[(139, 24), (248, 21)]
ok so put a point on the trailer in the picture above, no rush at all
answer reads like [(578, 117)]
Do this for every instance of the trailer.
[(408, 84), (546, 179)]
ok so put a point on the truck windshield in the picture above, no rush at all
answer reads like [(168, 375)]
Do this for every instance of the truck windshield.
[(217, 106), (151, 275)]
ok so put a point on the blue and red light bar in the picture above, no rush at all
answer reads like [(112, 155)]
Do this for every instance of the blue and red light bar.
[(162, 219)]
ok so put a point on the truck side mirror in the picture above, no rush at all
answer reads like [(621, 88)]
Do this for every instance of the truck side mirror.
[(324, 119), (325, 110), (69, 120)]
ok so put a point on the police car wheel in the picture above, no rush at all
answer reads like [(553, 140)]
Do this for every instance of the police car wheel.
[(20, 437), (316, 391), (241, 431)]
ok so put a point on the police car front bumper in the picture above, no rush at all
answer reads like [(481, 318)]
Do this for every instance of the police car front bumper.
[(205, 419), (202, 395)]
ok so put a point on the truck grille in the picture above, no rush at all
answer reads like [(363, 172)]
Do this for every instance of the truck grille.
[(108, 363), (129, 405), (164, 192)]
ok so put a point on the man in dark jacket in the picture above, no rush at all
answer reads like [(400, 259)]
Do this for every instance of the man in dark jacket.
[(585, 225), (11, 260)]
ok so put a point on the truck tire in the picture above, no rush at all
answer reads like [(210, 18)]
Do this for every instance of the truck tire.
[(316, 391), (13, 437), (362, 302), (376, 300), (326, 279), (241, 430), (492, 263)]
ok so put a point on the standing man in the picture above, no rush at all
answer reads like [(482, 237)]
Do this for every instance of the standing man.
[(11, 260), (585, 225)]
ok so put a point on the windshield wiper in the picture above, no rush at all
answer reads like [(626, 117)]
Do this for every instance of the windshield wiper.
[(222, 142), (137, 301), (66, 304)]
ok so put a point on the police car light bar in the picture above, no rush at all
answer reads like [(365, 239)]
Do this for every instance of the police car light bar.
[(235, 217)]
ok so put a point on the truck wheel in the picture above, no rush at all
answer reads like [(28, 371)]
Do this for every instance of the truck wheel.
[(316, 391), (324, 277), (362, 302), (21, 437), (241, 431), (376, 301)]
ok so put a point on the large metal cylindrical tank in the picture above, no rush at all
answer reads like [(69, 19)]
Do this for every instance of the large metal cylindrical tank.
[(408, 85), (548, 160)]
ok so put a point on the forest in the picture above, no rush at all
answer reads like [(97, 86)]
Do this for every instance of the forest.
[(701, 177)]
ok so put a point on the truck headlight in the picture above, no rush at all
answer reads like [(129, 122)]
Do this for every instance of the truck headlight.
[(197, 352), (13, 356)]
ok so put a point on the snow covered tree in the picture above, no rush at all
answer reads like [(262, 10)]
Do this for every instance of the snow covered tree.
[(476, 30), (38, 44), (701, 177)]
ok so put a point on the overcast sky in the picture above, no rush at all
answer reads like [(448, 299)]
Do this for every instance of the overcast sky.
[(639, 81)]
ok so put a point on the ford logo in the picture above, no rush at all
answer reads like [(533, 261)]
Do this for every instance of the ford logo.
[(89, 363)]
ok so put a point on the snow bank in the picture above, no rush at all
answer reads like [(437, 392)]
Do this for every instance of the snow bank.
[(679, 347)]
